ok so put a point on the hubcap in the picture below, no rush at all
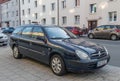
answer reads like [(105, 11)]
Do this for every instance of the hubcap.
[(15, 51), (91, 36), (113, 37), (56, 65)]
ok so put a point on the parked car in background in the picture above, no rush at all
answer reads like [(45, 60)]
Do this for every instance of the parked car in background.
[(8, 30), (105, 31), (57, 47), (3, 39), (75, 30)]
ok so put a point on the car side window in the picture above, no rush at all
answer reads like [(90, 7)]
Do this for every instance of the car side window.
[(37, 33), (18, 31), (107, 27), (27, 32), (99, 28)]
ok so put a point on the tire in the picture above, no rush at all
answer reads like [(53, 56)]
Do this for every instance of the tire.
[(57, 65), (91, 36), (113, 37), (16, 53)]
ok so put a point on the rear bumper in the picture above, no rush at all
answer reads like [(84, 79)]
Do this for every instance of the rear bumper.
[(76, 66)]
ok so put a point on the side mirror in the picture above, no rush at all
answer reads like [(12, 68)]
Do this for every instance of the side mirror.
[(41, 38)]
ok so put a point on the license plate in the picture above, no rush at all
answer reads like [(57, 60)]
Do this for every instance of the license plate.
[(100, 63)]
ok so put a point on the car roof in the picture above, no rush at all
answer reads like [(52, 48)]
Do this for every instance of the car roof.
[(40, 25)]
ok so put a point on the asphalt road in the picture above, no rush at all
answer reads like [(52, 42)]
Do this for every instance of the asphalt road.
[(113, 49)]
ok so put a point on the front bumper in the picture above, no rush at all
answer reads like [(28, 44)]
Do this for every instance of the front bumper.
[(3, 41), (76, 66)]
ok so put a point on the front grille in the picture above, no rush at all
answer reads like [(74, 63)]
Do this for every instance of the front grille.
[(1, 37), (98, 55)]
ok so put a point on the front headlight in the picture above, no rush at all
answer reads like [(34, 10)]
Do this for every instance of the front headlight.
[(82, 55), (5, 37), (106, 50)]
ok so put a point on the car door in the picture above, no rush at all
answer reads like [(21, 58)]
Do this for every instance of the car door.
[(98, 31), (106, 31), (38, 46), (24, 41)]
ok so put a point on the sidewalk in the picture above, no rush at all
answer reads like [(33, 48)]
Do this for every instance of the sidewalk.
[(30, 70)]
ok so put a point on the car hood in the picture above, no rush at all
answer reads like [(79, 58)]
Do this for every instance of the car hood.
[(81, 44)]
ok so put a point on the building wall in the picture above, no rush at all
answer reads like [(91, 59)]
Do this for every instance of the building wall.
[(10, 13), (103, 9)]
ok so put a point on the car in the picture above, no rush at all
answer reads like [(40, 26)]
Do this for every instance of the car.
[(75, 30), (8, 30), (105, 31), (3, 39), (58, 48)]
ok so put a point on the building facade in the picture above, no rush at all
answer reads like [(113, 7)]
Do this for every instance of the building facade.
[(101, 12), (10, 13), (81, 13), (55, 12)]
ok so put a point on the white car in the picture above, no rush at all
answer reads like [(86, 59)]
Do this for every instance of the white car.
[(3, 39)]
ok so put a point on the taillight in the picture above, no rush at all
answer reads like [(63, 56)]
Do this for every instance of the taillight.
[(117, 30)]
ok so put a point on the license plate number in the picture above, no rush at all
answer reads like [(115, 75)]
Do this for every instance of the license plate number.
[(100, 63)]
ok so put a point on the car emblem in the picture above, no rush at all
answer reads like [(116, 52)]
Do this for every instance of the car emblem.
[(99, 53)]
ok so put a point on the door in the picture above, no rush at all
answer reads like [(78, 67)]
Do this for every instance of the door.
[(39, 48), (107, 30), (24, 41), (98, 32), (92, 24)]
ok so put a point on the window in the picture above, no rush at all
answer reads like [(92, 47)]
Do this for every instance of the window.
[(36, 16), (43, 8), (29, 21), (17, 23), (63, 4), (29, 11), (77, 2), (37, 31), (53, 6), (77, 19), (53, 20), (35, 3), (7, 14), (44, 21), (23, 12), (23, 22), (22, 1), (12, 13), (64, 20), (112, 16), (27, 32), (28, 1), (16, 2), (13, 23), (93, 8), (17, 13)]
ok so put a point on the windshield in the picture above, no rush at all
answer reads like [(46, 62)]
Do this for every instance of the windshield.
[(57, 33)]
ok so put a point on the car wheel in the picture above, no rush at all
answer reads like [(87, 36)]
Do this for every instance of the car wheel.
[(57, 65), (16, 53), (91, 36), (113, 37)]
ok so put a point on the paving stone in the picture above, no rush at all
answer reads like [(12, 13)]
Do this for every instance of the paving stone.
[(30, 70)]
